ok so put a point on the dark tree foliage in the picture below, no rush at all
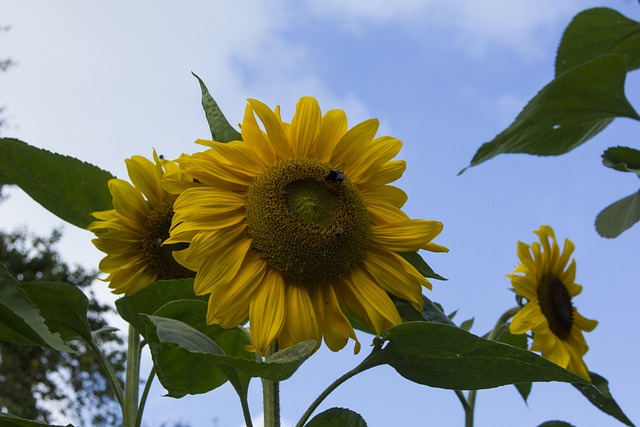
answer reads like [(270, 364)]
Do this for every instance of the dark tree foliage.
[(73, 384)]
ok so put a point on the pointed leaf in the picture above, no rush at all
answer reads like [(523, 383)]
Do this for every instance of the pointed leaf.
[(63, 307), (420, 264), (20, 319), (619, 216), (66, 186), (623, 159), (337, 417), (567, 112), (601, 397), (152, 297), (447, 357), (221, 130), (430, 312), (596, 32)]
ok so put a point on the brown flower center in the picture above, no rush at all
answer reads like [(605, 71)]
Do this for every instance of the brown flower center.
[(307, 220), (154, 232), (555, 304)]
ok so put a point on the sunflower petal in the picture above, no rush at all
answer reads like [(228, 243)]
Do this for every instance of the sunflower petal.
[(267, 312)]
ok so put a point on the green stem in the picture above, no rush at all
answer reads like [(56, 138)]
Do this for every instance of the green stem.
[(495, 333), (143, 398), (113, 378), (363, 366), (133, 379), (271, 397)]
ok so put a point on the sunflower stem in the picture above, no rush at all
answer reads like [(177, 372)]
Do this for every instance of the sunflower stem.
[(143, 398), (469, 403), (133, 379), (113, 378), (271, 396), (363, 366)]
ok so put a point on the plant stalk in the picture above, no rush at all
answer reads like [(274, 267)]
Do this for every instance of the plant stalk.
[(132, 384), (271, 396), (469, 408), (111, 375)]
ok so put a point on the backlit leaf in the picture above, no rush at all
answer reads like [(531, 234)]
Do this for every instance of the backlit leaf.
[(619, 216), (221, 130)]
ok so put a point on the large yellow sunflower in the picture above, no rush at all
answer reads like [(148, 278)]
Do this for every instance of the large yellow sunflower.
[(132, 233), (548, 284), (296, 225)]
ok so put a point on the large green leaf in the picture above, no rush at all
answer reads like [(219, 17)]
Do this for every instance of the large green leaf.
[(570, 110), (221, 130), (619, 216), (151, 298), (519, 341), (597, 32), (8, 420), (556, 423), (601, 397), (447, 357), (20, 320), (623, 159), (337, 417), (67, 187), (63, 307), (194, 355)]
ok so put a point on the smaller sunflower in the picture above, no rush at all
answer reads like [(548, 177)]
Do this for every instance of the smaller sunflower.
[(132, 233), (548, 284)]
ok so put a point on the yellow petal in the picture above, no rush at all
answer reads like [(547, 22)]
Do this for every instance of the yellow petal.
[(256, 138), (145, 178), (405, 236), (222, 269), (128, 201), (334, 126), (380, 309), (305, 125), (386, 269), (526, 319), (300, 323), (353, 144), (338, 329), (274, 129), (267, 311)]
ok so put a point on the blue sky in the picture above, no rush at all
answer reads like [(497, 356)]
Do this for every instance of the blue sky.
[(103, 81)]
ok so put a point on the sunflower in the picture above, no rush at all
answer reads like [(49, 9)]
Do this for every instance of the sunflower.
[(296, 225), (132, 233), (548, 284)]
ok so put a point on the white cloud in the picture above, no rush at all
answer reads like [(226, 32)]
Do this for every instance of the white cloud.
[(474, 26)]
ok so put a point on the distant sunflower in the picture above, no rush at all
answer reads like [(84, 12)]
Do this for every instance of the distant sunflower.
[(548, 284), (295, 226), (132, 233)]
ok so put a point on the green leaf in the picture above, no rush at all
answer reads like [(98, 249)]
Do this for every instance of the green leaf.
[(519, 341), (555, 423), (20, 319), (183, 374), (8, 420), (601, 397), (447, 357), (196, 356), (66, 186), (152, 297), (596, 32), (623, 159), (467, 324), (430, 312), (337, 417), (63, 307), (221, 130), (420, 264), (567, 112), (619, 216)]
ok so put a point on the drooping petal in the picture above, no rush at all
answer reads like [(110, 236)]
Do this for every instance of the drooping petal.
[(267, 311), (300, 323)]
